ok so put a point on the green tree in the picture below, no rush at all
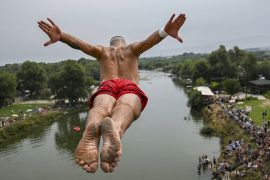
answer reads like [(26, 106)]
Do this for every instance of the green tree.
[(263, 68), (195, 100), (187, 69), (221, 66), (236, 55), (32, 77), (214, 85), (7, 88), (200, 81), (71, 82), (248, 67), (201, 69), (231, 85)]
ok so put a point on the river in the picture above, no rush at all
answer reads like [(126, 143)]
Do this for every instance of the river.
[(160, 145)]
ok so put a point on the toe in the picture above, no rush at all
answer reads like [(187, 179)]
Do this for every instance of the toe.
[(92, 167), (114, 164), (81, 163), (105, 167), (110, 168), (77, 161)]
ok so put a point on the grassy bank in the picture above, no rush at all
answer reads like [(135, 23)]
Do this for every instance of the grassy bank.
[(22, 127), (26, 126), (17, 108), (258, 106), (218, 124)]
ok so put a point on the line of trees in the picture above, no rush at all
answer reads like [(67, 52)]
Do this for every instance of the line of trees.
[(65, 80), (224, 69)]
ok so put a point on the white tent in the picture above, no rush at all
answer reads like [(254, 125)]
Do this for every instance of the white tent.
[(205, 91)]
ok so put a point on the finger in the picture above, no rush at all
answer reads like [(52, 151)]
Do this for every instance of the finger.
[(46, 24), (181, 19), (171, 19), (178, 18), (44, 29), (51, 22), (180, 23), (179, 39), (46, 44)]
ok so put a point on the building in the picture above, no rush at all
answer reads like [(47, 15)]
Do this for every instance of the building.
[(206, 92), (259, 86)]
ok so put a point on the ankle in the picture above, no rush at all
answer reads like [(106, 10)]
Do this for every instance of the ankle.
[(119, 129)]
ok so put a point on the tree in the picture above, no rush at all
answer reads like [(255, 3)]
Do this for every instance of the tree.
[(71, 82), (263, 69), (195, 100), (248, 67), (214, 85), (7, 88), (221, 66), (200, 81), (231, 85), (187, 69), (32, 77), (201, 69), (236, 55)]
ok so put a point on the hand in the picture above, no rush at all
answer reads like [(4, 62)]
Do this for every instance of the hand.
[(52, 30), (172, 27)]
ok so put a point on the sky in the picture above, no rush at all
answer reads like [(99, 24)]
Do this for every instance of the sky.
[(209, 23)]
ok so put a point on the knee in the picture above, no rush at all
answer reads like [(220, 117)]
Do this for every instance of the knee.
[(102, 109)]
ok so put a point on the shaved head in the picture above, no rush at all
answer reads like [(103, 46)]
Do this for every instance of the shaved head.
[(117, 39)]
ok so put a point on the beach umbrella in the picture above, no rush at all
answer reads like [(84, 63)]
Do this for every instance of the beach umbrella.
[(14, 115)]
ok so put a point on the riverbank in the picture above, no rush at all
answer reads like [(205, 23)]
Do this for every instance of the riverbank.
[(243, 156), (22, 127)]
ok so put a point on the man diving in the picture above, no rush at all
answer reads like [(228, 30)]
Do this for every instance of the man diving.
[(118, 101)]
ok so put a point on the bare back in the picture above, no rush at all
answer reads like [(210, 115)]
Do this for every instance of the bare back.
[(118, 63)]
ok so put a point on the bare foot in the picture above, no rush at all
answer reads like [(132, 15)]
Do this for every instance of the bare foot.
[(111, 150), (87, 150)]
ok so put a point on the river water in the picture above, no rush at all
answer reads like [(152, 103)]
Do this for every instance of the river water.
[(160, 145)]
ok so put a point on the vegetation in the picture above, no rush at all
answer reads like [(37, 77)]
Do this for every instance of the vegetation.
[(18, 108), (195, 100), (64, 80), (31, 77), (215, 68), (22, 127), (258, 106), (7, 88), (71, 83), (231, 85)]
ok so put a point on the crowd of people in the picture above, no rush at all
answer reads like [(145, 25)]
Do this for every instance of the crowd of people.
[(240, 156), (22, 115)]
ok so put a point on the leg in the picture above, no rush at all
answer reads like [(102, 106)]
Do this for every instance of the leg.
[(87, 149), (126, 110)]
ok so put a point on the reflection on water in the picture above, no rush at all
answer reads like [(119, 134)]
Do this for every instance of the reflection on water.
[(164, 143)]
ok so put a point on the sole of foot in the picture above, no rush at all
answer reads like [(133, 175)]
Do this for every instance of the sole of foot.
[(86, 153), (111, 150)]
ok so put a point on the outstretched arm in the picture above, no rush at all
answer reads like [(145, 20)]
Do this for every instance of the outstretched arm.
[(55, 35), (172, 27)]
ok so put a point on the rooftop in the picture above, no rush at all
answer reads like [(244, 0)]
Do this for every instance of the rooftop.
[(260, 82), (206, 91)]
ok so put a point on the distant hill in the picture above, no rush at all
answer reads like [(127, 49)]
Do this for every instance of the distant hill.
[(262, 53), (184, 56)]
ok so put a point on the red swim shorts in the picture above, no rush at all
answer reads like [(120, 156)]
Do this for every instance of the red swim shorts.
[(118, 87)]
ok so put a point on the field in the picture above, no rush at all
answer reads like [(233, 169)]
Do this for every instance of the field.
[(258, 106), (17, 108)]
